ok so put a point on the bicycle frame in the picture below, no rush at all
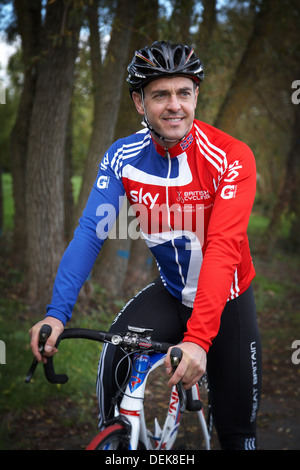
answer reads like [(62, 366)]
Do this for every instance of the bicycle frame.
[(149, 355), (132, 408)]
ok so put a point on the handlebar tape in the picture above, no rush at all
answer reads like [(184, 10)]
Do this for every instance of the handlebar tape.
[(83, 333), (51, 376), (191, 403)]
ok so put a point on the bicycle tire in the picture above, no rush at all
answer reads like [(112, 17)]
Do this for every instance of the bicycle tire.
[(113, 437)]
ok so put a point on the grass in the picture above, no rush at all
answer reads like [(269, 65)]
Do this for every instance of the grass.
[(77, 358), (8, 204)]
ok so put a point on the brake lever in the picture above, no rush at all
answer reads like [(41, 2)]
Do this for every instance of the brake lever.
[(176, 356), (44, 334)]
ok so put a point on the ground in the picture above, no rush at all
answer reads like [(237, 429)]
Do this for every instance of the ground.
[(278, 422)]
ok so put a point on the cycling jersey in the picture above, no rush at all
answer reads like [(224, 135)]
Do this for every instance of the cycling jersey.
[(193, 203)]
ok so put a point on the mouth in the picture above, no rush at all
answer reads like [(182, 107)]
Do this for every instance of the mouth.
[(172, 119)]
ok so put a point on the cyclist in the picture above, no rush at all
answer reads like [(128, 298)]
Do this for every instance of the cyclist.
[(192, 188)]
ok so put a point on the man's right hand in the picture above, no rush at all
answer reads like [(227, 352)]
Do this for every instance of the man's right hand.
[(57, 328)]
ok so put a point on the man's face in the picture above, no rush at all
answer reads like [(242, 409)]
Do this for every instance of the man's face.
[(170, 105)]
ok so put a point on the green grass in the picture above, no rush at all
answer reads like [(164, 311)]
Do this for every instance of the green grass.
[(257, 224), (77, 358), (76, 183), (8, 203)]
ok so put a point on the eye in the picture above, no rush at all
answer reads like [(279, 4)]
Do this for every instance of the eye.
[(185, 94), (160, 95)]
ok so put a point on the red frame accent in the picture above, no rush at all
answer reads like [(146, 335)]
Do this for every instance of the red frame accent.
[(129, 412)]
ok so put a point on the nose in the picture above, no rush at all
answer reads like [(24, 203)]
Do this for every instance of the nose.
[(173, 103)]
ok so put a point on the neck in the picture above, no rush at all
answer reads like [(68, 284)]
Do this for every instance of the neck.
[(165, 143), (176, 148)]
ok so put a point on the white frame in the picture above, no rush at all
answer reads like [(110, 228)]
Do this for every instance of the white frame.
[(132, 408)]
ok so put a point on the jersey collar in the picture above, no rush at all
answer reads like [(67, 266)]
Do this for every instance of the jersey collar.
[(179, 148)]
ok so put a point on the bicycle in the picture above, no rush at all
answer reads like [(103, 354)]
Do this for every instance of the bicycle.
[(128, 430)]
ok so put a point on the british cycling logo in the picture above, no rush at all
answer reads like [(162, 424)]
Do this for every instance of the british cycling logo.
[(296, 354), (2, 352), (296, 94)]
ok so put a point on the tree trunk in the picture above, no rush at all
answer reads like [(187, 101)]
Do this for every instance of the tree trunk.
[(138, 271), (1, 203), (29, 27), (288, 200), (46, 150), (68, 188), (108, 80), (207, 27), (247, 71), (108, 84), (180, 21)]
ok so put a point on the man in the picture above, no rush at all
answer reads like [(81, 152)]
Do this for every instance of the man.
[(192, 188)]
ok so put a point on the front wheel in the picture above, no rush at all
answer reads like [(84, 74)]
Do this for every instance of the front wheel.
[(114, 437)]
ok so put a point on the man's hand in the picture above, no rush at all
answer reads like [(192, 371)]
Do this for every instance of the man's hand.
[(191, 367), (57, 329)]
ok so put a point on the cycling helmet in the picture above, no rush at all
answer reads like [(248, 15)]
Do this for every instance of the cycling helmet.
[(163, 58)]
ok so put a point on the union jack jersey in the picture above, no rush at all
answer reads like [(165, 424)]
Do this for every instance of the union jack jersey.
[(192, 202)]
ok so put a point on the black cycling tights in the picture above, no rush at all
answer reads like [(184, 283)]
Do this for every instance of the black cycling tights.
[(233, 361)]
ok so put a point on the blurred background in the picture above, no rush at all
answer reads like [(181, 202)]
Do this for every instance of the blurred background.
[(64, 100)]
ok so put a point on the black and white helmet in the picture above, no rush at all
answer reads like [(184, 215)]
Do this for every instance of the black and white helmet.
[(163, 59)]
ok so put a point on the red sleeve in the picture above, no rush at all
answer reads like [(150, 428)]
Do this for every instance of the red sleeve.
[(226, 235)]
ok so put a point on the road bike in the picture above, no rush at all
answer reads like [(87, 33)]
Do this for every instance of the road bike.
[(128, 429)]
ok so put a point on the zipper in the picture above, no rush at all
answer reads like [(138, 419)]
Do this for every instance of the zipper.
[(168, 156)]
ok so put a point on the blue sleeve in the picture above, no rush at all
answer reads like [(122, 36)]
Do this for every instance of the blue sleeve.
[(100, 213)]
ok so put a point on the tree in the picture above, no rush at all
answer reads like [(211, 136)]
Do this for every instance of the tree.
[(108, 79), (208, 24), (181, 21), (246, 74), (28, 15), (46, 147), (139, 267), (288, 201)]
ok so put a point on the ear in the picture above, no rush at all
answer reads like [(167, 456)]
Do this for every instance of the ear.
[(137, 99)]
